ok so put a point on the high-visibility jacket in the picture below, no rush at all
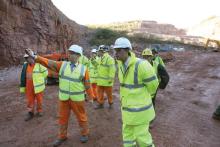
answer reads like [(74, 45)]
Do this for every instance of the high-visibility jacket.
[(39, 74), (155, 62), (137, 83), (84, 60), (68, 80), (159, 60), (106, 71), (71, 82), (93, 69)]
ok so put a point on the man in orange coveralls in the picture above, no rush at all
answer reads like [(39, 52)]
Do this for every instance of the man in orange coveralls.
[(73, 81), (33, 84)]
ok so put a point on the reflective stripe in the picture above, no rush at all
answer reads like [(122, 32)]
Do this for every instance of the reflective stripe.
[(63, 69), (71, 93), (39, 71), (137, 109), (136, 72), (39, 85), (82, 71), (131, 86), (135, 85), (150, 79), (62, 76), (88, 81), (129, 142), (53, 74), (52, 64), (70, 79)]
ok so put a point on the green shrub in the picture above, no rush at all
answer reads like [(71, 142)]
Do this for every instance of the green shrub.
[(105, 36)]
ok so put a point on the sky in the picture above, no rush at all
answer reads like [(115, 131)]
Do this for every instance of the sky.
[(181, 13)]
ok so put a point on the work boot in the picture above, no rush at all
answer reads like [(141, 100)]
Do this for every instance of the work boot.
[(84, 139), (29, 116), (98, 106), (59, 141), (39, 114)]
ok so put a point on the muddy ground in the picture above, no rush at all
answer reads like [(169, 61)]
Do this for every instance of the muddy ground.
[(184, 110)]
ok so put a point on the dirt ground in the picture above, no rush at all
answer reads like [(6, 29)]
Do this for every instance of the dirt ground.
[(184, 110)]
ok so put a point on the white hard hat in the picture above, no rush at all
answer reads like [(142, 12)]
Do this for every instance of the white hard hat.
[(26, 55), (76, 48), (104, 48), (94, 50), (122, 42)]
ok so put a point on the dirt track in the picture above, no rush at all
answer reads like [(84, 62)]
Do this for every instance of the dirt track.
[(184, 110)]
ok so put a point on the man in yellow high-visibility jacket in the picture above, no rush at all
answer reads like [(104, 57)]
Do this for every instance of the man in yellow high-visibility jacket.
[(105, 76), (138, 82)]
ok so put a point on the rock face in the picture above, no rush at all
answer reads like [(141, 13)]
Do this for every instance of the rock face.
[(36, 24), (144, 26), (157, 28)]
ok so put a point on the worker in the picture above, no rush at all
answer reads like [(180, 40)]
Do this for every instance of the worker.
[(84, 60), (105, 78), (216, 114), (93, 63), (138, 82), (156, 57), (73, 81), (159, 69), (32, 83)]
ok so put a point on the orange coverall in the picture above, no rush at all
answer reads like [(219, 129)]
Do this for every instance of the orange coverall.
[(65, 107), (104, 89), (30, 95), (94, 90)]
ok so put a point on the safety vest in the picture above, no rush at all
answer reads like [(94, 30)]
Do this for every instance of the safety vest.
[(39, 74), (155, 66), (84, 60), (106, 71), (71, 85), (136, 103), (93, 70), (156, 61)]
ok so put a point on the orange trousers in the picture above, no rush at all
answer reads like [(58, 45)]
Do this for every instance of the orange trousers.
[(32, 97), (94, 90), (104, 89), (78, 109)]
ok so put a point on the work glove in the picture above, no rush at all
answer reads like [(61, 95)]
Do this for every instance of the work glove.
[(30, 53)]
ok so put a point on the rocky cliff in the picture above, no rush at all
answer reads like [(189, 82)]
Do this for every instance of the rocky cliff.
[(36, 24)]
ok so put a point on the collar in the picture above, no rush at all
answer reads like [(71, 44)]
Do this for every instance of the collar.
[(127, 61)]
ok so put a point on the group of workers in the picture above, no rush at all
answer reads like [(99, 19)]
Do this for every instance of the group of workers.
[(139, 81)]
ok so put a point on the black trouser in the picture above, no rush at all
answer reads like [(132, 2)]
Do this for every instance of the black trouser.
[(154, 98)]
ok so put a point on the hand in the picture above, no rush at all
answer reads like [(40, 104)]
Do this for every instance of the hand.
[(30, 53)]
